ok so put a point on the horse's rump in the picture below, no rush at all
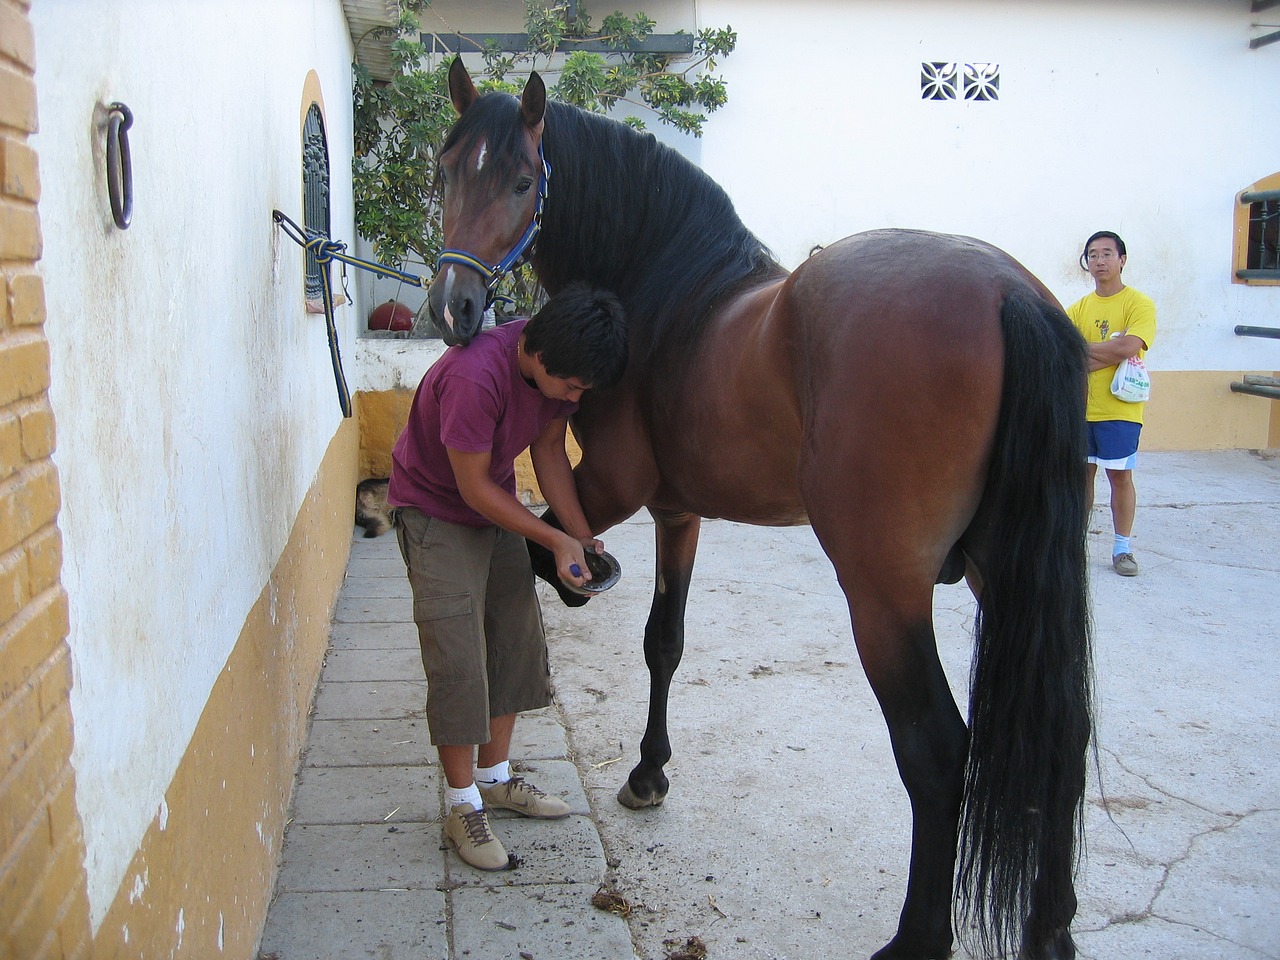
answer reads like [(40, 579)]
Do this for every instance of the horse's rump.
[(879, 358)]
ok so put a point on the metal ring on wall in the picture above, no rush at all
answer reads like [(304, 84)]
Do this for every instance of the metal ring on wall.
[(119, 164)]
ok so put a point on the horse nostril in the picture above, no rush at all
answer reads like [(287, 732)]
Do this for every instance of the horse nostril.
[(465, 316)]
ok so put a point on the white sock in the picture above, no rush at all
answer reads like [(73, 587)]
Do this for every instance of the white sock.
[(490, 776), (468, 794), (1120, 546)]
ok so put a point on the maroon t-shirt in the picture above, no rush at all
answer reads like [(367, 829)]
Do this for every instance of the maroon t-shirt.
[(472, 399)]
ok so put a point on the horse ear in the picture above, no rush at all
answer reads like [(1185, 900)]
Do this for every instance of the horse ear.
[(533, 103), (461, 90)]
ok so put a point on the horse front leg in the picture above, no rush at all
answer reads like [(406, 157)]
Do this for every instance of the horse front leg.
[(543, 562), (607, 499), (677, 543)]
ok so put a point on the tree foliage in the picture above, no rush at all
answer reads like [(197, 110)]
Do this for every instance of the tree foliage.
[(400, 124)]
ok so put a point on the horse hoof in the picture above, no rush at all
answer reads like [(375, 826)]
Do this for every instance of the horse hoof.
[(1059, 946), (633, 801), (568, 597)]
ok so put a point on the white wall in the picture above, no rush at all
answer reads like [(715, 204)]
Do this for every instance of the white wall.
[(193, 395), (1141, 117)]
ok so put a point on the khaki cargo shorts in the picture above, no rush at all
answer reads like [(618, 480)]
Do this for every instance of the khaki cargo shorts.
[(479, 624)]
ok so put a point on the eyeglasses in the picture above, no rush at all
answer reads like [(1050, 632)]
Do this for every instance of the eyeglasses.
[(1095, 256)]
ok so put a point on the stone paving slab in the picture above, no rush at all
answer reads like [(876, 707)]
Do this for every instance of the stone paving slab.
[(378, 663), (370, 565), (551, 922), (539, 734), (390, 925), (391, 795), (380, 699), (373, 610), (372, 587), (362, 857), (369, 636), (369, 743)]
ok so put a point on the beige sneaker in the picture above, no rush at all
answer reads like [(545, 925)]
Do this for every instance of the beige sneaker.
[(1125, 565), (468, 830), (524, 798)]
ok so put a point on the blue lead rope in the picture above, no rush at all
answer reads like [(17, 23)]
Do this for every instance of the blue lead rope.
[(326, 250)]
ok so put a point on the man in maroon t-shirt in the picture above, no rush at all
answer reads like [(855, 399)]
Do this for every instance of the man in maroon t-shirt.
[(462, 533)]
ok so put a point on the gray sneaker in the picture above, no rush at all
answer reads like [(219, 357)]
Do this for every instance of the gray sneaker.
[(524, 798), (468, 830), (1125, 565)]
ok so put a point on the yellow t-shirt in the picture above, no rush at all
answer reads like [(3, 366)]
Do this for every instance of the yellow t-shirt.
[(1101, 318)]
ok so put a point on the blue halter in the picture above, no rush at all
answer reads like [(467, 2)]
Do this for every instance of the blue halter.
[(519, 253)]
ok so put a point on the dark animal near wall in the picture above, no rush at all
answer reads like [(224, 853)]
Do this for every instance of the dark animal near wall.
[(371, 506)]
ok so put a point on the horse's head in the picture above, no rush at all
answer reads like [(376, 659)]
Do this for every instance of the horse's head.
[(495, 182)]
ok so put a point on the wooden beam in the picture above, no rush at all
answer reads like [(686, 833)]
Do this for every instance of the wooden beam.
[(1263, 40), (1271, 393)]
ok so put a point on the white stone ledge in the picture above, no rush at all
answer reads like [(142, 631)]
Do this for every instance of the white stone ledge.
[(392, 362)]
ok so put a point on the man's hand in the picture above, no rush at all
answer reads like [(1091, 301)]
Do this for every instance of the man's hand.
[(571, 562)]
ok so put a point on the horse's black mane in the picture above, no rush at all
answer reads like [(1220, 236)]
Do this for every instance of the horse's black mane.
[(629, 214), (634, 216)]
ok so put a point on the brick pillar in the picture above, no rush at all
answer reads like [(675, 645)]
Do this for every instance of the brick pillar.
[(44, 906)]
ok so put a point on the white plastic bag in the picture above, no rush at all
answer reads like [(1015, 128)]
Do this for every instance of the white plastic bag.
[(1131, 383)]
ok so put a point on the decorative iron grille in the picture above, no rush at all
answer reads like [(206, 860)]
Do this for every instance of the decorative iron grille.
[(1263, 251), (938, 80), (982, 81), (949, 80), (315, 191)]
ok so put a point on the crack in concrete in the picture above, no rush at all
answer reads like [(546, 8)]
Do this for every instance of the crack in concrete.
[(1156, 788), (1231, 821), (1194, 504)]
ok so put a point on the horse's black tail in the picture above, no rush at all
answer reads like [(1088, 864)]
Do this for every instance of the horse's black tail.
[(1030, 709)]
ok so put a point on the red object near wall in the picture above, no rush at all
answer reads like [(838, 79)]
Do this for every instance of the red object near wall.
[(392, 315)]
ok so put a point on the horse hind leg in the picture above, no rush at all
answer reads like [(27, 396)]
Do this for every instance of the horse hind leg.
[(1047, 932), (677, 543), (929, 740), (891, 609)]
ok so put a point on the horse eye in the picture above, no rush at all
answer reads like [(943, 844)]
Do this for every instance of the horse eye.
[(522, 187)]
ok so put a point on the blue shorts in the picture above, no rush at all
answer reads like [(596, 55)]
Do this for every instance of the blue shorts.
[(1113, 444)]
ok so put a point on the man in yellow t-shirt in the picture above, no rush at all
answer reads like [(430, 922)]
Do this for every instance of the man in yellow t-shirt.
[(1118, 322)]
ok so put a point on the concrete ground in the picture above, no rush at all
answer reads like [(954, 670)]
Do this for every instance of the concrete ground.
[(786, 831)]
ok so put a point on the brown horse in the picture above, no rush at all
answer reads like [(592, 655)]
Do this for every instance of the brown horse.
[(916, 398)]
